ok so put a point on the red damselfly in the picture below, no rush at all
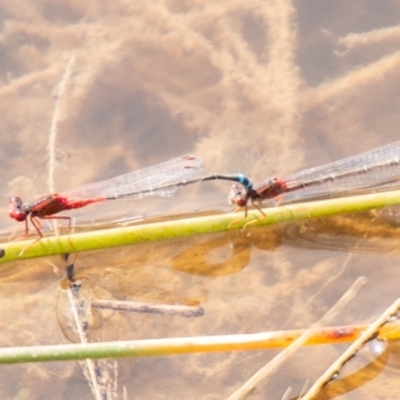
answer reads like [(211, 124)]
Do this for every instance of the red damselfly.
[(378, 167), (163, 179)]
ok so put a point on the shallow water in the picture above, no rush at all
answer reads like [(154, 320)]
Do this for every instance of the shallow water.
[(264, 88), (260, 279)]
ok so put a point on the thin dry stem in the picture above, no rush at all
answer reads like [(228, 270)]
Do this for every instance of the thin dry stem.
[(352, 349), (88, 364), (51, 145), (269, 368)]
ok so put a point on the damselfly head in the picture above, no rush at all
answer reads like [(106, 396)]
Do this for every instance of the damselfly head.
[(238, 195), (16, 209)]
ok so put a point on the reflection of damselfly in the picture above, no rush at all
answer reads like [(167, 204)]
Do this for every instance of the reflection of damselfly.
[(163, 179), (379, 167)]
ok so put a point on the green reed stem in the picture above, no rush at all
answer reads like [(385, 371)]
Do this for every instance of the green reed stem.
[(181, 228)]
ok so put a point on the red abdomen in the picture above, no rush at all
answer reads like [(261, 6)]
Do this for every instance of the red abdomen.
[(271, 189), (54, 203)]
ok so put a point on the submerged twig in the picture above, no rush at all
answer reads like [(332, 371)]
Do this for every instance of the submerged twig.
[(164, 309)]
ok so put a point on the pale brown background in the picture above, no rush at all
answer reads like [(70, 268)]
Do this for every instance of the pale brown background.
[(260, 87)]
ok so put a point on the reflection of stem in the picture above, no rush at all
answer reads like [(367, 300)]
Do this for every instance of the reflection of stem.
[(202, 264), (165, 309)]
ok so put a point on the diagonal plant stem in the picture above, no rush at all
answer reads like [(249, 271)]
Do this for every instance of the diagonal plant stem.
[(188, 345), (277, 361), (181, 228)]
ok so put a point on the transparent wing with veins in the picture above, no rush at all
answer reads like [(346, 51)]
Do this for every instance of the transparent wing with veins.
[(162, 179), (379, 167)]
